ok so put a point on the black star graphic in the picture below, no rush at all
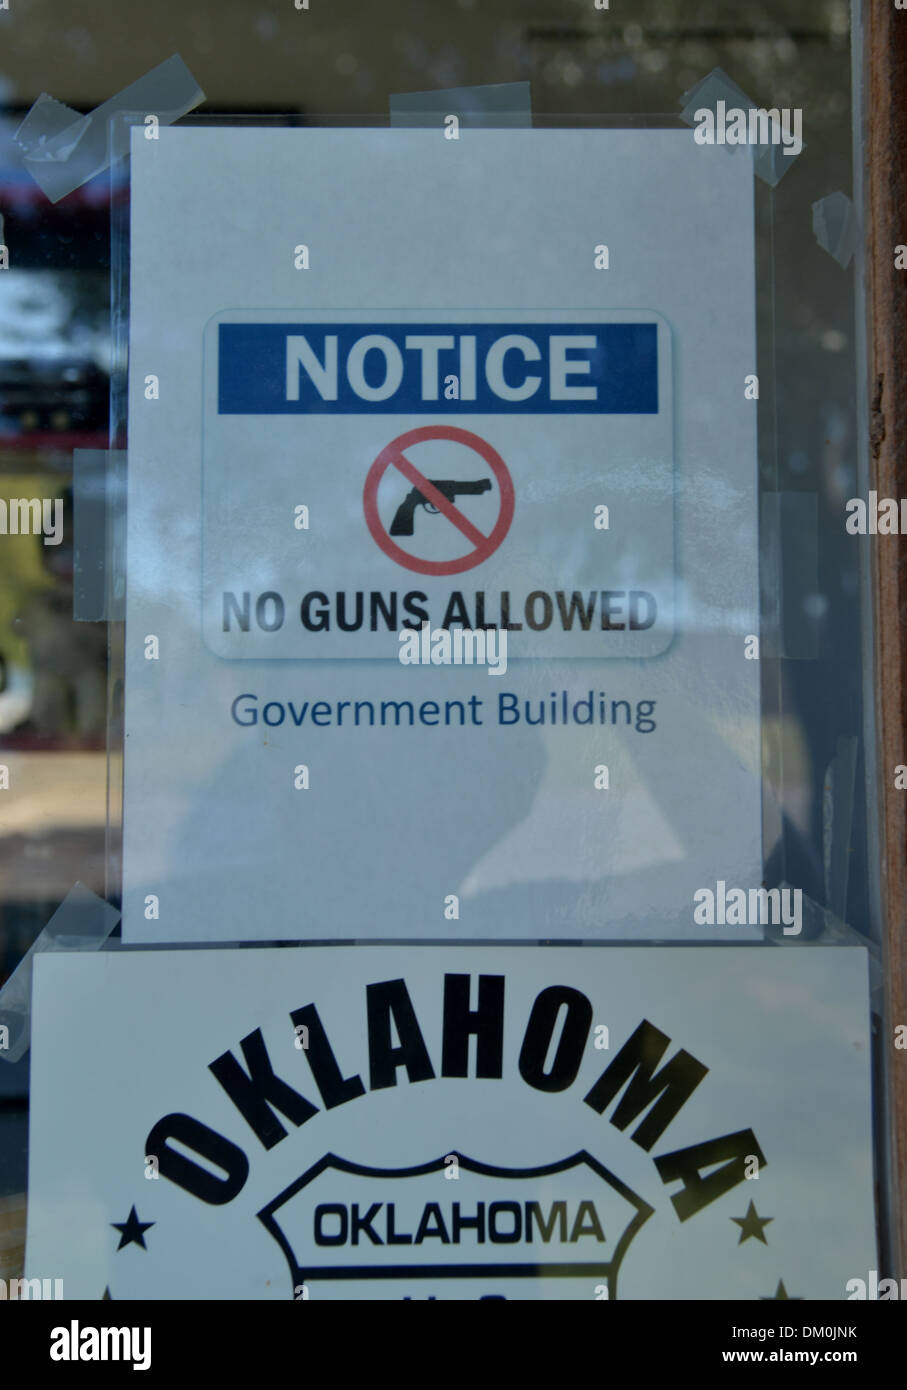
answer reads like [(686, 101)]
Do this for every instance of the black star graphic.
[(132, 1231), (780, 1292), (752, 1225)]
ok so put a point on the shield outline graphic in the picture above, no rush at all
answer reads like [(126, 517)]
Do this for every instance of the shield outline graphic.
[(300, 1273)]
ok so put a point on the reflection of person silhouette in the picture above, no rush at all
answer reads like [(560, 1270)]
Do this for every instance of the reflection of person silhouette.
[(396, 819), (638, 855), (669, 824), (392, 822)]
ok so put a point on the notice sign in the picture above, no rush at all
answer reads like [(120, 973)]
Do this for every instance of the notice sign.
[(452, 1123), (442, 593), (451, 523)]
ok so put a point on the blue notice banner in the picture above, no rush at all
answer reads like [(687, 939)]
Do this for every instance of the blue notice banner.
[(431, 369)]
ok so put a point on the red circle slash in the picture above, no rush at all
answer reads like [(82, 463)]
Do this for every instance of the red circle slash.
[(392, 455)]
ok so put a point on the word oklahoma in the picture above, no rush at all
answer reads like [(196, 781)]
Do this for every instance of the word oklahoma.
[(396, 1047)]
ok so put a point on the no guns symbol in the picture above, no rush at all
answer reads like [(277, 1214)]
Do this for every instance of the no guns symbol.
[(438, 495)]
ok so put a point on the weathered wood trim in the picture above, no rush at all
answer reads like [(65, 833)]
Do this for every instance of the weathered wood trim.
[(885, 30)]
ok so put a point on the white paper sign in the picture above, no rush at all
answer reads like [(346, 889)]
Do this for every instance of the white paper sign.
[(385, 386), (518, 1122)]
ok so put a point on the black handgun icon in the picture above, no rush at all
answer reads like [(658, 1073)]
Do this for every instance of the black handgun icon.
[(402, 524)]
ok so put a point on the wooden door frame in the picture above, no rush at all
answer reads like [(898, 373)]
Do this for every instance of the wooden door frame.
[(885, 174)]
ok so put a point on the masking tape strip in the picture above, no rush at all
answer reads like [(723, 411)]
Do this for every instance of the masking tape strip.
[(64, 149), (82, 922), (99, 505), (770, 161), (506, 105), (836, 227), (789, 572)]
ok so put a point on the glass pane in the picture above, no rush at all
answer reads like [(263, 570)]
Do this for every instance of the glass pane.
[(427, 441)]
